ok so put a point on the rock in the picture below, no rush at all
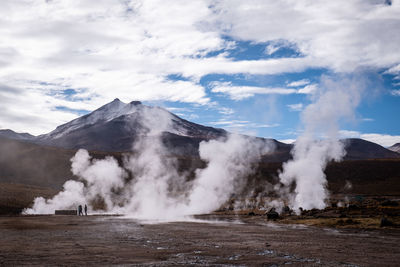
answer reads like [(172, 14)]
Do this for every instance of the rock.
[(287, 210), (353, 207), (386, 222), (350, 221), (390, 203), (272, 214)]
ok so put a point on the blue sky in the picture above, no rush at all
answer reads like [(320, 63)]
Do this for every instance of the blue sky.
[(246, 66)]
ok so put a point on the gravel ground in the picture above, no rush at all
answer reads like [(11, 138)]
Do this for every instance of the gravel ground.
[(223, 241)]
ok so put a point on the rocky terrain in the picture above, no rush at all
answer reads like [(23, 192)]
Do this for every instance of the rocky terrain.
[(359, 227), (217, 241)]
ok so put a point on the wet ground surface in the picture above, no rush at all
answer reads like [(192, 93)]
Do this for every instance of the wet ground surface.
[(251, 241)]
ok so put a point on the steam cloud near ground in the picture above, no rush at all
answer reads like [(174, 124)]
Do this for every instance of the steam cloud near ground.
[(159, 192), (319, 143)]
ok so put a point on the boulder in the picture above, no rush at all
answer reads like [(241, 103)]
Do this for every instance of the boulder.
[(386, 222), (390, 203), (272, 214)]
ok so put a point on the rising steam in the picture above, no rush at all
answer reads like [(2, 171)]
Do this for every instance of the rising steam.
[(156, 190), (319, 143), (148, 184)]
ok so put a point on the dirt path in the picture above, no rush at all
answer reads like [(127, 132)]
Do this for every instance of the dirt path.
[(106, 240)]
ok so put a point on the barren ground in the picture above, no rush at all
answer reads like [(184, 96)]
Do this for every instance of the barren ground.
[(229, 241)]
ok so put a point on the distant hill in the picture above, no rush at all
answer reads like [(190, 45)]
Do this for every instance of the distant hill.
[(115, 126), (7, 133), (395, 148), (361, 149), (39, 165), (24, 165)]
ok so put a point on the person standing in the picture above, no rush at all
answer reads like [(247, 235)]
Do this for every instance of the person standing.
[(85, 210), (80, 210)]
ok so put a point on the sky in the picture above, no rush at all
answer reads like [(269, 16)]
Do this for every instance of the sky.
[(245, 66)]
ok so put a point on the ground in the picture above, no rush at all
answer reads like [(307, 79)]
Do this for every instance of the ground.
[(212, 240)]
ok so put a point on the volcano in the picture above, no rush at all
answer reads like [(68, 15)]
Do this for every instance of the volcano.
[(115, 126), (37, 165)]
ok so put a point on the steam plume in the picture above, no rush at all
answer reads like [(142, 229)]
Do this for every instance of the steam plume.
[(319, 143), (157, 191)]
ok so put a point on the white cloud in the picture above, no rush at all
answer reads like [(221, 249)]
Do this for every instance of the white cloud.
[(225, 111), (234, 124), (385, 140), (394, 70), (341, 35), (242, 92), (20, 108), (126, 49), (295, 107), (109, 49), (237, 92), (367, 119), (191, 116), (395, 92), (302, 82), (175, 109), (349, 134), (308, 89), (271, 48)]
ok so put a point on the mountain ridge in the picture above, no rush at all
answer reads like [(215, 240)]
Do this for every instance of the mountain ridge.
[(115, 126), (395, 148)]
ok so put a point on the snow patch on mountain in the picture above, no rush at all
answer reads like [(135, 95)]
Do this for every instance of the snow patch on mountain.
[(137, 118), (395, 148), (105, 113)]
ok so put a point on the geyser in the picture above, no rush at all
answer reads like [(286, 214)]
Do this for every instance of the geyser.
[(319, 143), (157, 191), (148, 185)]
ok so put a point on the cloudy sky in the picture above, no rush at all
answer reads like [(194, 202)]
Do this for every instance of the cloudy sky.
[(246, 66)]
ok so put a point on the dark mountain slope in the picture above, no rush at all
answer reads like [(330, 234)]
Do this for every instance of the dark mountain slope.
[(362, 149), (116, 125), (395, 148), (7, 133)]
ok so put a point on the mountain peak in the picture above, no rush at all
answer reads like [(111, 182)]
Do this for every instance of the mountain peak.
[(107, 112), (395, 148)]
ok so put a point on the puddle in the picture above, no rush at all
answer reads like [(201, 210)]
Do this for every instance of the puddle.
[(291, 258), (234, 257), (266, 252)]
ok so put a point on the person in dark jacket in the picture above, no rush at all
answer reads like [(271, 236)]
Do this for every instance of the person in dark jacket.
[(80, 210), (85, 210)]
